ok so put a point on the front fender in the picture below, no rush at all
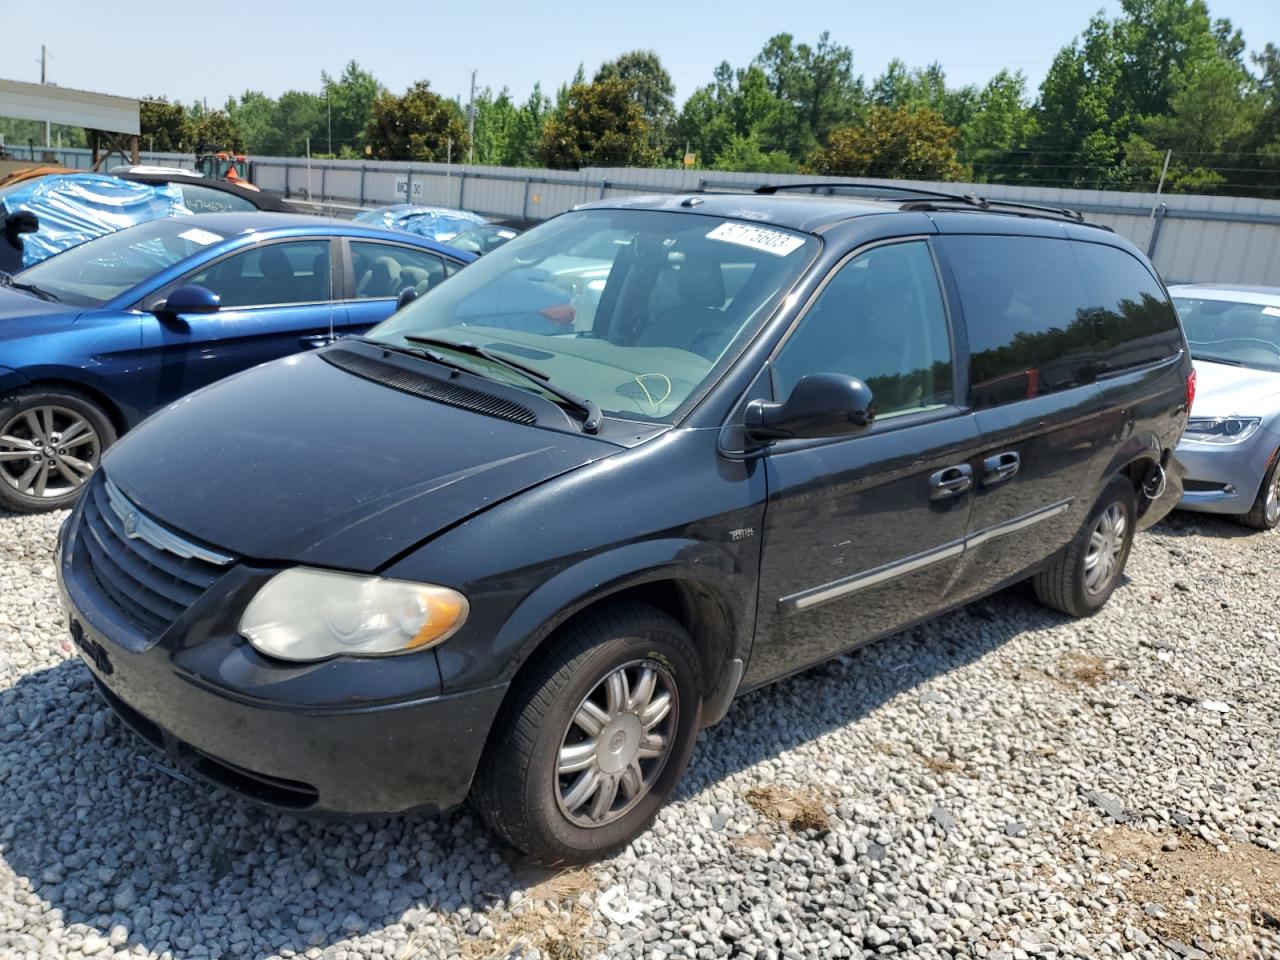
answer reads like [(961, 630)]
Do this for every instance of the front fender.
[(11, 380), (695, 563)]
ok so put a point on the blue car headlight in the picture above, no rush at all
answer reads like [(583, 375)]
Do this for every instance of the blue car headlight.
[(1221, 429)]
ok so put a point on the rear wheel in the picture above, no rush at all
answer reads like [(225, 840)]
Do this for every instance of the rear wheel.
[(51, 441), (1087, 573), (593, 739), (1265, 512)]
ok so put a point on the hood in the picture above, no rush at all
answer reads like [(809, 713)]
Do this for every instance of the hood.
[(1223, 390), (16, 305), (299, 461)]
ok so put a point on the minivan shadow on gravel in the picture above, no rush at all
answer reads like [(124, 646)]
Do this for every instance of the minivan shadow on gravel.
[(105, 838)]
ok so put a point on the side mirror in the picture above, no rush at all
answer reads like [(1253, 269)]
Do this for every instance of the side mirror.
[(820, 405), (24, 221), (407, 296), (188, 299)]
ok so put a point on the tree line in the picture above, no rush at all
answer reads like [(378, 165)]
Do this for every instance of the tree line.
[(1162, 80)]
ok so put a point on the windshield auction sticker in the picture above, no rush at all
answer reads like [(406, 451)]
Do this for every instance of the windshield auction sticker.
[(202, 237), (757, 238)]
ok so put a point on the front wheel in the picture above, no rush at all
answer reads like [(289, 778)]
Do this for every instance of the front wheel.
[(1265, 512), (1087, 573), (50, 443), (593, 739)]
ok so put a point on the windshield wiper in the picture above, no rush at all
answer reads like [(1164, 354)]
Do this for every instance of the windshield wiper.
[(589, 408), (7, 280)]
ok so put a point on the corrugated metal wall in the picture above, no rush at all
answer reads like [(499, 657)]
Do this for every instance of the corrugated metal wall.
[(1192, 238)]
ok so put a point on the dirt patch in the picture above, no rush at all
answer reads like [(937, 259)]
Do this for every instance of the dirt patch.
[(1084, 668), (752, 841), (803, 809), (551, 919), (1179, 894)]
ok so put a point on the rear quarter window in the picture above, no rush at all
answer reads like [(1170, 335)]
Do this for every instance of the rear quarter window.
[(1135, 322), (1045, 315)]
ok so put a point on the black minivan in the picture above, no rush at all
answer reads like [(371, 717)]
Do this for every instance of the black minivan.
[(521, 555)]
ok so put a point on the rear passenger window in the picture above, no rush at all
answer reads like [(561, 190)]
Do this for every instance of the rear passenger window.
[(880, 319), (1025, 310), (384, 269), (1134, 320)]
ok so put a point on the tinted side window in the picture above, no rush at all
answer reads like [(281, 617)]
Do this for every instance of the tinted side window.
[(880, 319), (384, 269), (1030, 330), (277, 273), (1134, 320)]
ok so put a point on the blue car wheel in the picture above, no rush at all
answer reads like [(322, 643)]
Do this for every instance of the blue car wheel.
[(51, 441)]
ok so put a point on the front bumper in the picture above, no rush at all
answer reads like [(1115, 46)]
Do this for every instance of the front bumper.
[(1224, 478), (261, 729)]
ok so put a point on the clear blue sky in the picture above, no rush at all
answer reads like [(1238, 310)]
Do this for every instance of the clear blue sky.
[(191, 50)]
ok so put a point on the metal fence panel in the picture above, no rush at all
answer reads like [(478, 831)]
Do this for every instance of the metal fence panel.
[(1196, 238)]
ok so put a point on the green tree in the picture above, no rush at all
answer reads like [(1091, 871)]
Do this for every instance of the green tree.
[(995, 137), (349, 102), (216, 130), (746, 154), (927, 87), (652, 89), (898, 144), (164, 126), (816, 90), (419, 125), (598, 124)]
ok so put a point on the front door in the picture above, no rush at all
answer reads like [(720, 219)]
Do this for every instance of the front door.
[(276, 300), (863, 535), (381, 270)]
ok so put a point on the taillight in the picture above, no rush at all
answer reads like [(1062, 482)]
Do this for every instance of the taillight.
[(561, 314), (1191, 388)]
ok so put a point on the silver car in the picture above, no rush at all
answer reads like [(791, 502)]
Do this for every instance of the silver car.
[(1232, 441)]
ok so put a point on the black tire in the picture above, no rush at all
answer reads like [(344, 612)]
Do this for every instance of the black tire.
[(21, 413), (1268, 495), (1065, 584), (518, 788)]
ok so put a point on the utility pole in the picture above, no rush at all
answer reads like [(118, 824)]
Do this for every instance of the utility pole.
[(44, 79), (328, 105), (471, 121)]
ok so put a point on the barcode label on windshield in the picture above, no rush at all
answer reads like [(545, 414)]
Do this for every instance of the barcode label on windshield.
[(757, 238), (1271, 311), (202, 237)]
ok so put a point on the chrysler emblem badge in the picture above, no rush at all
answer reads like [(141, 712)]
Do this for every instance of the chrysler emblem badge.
[(131, 523)]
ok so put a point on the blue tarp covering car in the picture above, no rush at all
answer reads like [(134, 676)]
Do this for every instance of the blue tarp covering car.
[(435, 223), (75, 207)]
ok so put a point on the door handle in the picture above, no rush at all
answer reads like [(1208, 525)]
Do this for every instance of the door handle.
[(316, 341), (950, 481), (1000, 466)]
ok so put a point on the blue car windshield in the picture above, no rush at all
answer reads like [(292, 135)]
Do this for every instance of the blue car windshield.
[(101, 270), (1241, 334), (638, 310)]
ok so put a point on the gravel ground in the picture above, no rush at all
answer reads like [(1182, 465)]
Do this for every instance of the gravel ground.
[(998, 783)]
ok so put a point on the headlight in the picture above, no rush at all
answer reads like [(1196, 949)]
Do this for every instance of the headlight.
[(304, 614), (1221, 429)]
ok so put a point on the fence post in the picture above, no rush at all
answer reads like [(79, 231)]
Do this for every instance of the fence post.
[(362, 170), (1157, 217), (524, 206), (604, 185), (324, 194), (408, 186), (287, 167), (462, 190)]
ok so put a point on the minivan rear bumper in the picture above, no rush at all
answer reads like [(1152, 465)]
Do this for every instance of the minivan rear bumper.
[(1152, 510), (367, 760)]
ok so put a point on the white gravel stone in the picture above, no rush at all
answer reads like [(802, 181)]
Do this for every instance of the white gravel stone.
[(969, 768)]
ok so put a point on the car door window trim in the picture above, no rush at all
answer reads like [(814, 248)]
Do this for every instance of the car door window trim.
[(813, 596)]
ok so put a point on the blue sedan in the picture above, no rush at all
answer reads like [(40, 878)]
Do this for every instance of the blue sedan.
[(95, 339)]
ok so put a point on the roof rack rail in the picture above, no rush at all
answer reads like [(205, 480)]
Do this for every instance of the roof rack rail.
[(932, 199), (831, 188)]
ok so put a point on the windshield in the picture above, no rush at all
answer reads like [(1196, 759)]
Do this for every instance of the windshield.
[(1244, 334), (92, 273), (631, 309)]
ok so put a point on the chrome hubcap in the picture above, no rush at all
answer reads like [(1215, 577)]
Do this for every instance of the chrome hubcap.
[(617, 743), (1106, 543), (1273, 499), (48, 452)]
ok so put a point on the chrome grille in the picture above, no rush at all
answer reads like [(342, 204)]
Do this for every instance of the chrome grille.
[(148, 573)]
